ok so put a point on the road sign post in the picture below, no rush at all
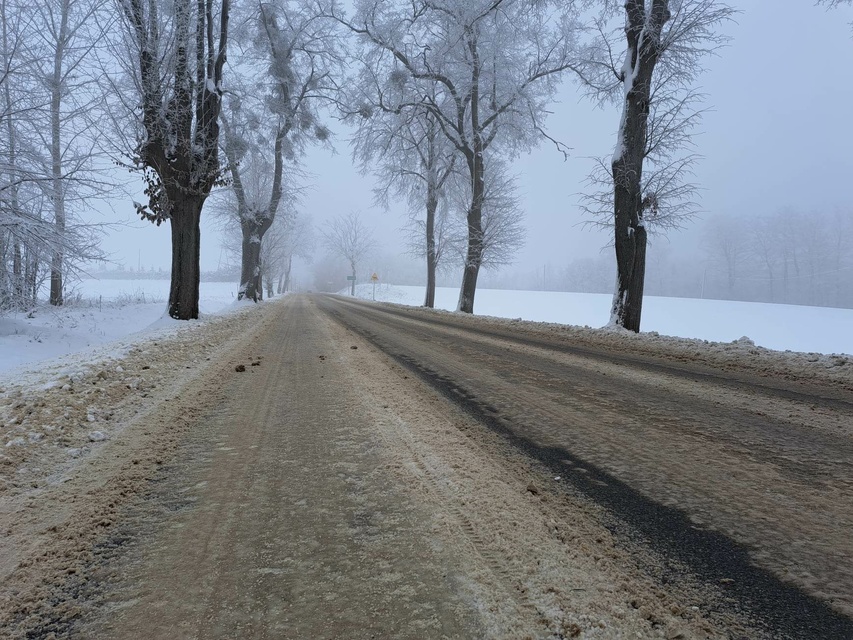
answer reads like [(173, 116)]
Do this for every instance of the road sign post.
[(374, 279), (352, 286)]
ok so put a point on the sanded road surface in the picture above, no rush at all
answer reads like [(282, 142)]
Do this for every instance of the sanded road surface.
[(758, 474), (353, 470)]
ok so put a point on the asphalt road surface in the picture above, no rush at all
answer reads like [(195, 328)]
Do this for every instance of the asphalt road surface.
[(382, 472)]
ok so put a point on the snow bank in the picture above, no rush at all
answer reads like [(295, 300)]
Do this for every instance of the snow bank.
[(99, 313), (773, 326)]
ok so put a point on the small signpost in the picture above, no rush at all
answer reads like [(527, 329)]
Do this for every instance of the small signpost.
[(374, 279), (352, 286)]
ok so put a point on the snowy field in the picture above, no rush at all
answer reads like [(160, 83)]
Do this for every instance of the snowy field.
[(107, 311), (99, 312), (775, 326)]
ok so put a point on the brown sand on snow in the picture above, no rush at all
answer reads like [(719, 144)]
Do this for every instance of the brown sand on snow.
[(322, 492)]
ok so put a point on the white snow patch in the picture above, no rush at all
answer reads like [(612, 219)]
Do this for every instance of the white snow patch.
[(103, 312), (819, 330)]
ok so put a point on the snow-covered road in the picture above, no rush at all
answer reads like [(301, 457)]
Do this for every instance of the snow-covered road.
[(319, 467)]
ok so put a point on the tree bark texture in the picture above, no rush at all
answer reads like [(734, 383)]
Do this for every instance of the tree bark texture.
[(474, 253), (186, 245), (642, 31), (250, 272), (431, 257), (181, 143), (286, 285), (58, 193)]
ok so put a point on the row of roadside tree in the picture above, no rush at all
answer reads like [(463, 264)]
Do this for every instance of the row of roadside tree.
[(223, 97)]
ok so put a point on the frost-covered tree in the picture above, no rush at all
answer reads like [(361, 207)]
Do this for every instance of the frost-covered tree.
[(65, 36), (484, 69), (16, 222), (503, 218), (664, 44), (347, 237), (411, 159), (173, 54), (289, 237), (287, 69), (296, 241), (35, 236)]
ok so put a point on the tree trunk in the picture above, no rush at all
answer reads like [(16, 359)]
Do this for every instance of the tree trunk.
[(186, 244), (32, 281), (634, 309), (250, 272), (58, 193), (630, 242), (18, 272), (643, 34), (30, 278), (476, 171), (286, 286), (474, 255), (432, 205), (56, 285), (352, 283)]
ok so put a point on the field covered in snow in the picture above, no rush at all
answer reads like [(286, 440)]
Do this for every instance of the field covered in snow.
[(99, 312), (106, 311), (774, 326)]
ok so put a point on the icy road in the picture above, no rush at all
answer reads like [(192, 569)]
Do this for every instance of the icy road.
[(326, 468)]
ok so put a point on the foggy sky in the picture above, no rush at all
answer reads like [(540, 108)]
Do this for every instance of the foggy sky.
[(777, 136)]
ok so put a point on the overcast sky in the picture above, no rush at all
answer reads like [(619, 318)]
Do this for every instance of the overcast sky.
[(777, 136)]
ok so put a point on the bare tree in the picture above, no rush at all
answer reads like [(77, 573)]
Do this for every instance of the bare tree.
[(503, 229), (297, 241), (273, 115), (290, 236), (347, 237), (727, 245), (66, 33), (415, 162), (28, 237), (764, 243), (24, 234), (438, 237), (484, 69), (665, 41), (175, 58)]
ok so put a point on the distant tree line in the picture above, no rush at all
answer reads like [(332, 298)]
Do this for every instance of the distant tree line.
[(786, 258)]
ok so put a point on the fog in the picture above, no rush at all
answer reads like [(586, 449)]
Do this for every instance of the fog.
[(774, 140)]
